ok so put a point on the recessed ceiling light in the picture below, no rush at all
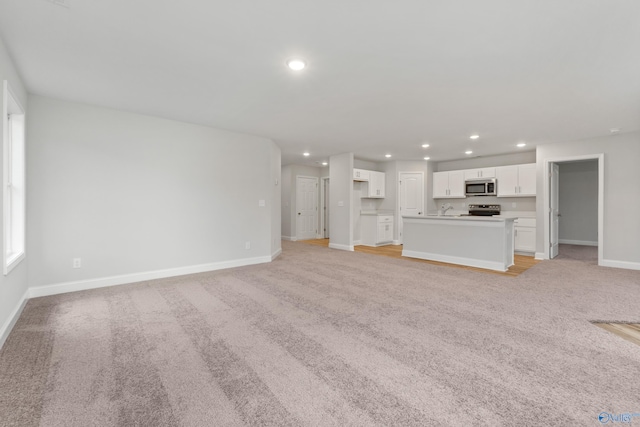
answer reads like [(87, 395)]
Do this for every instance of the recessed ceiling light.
[(306, 154), (296, 64), (521, 144), (474, 136), (324, 163), (427, 158), (425, 145), (387, 155), (614, 130), (468, 152)]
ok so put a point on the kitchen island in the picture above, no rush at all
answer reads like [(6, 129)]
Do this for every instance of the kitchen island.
[(476, 241)]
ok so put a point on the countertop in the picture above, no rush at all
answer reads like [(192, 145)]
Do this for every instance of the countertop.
[(378, 213), (463, 218)]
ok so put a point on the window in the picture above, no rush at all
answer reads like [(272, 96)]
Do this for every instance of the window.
[(14, 195)]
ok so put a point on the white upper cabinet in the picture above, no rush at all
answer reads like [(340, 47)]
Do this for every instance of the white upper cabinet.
[(471, 174), (360, 175), (448, 185), (516, 180), (373, 186)]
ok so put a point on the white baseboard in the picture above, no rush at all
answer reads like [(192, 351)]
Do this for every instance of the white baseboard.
[(276, 254), (578, 242), (357, 242), (396, 242), (341, 247), (13, 318), (540, 255), (490, 265), (620, 264), (82, 285), (288, 238)]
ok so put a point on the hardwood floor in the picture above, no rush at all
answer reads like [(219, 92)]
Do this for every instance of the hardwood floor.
[(628, 331), (522, 263)]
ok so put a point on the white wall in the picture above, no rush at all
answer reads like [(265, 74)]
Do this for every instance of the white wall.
[(13, 286), (276, 200), (285, 202), (578, 202), (341, 193), (129, 193), (621, 195), (488, 161)]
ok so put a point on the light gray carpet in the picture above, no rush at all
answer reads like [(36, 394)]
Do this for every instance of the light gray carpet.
[(588, 254), (328, 338)]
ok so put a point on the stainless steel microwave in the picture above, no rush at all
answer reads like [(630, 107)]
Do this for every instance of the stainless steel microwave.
[(481, 187)]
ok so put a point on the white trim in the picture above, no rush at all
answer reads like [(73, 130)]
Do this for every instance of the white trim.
[(540, 256), (82, 285), (13, 263), (620, 264), (276, 254), (13, 318), (288, 238), (490, 265), (341, 247), (396, 242), (577, 242), (547, 195), (7, 92), (357, 242)]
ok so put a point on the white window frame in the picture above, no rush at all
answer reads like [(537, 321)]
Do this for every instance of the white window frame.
[(13, 179)]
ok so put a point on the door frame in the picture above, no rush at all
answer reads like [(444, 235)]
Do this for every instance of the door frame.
[(324, 183), (398, 216), (548, 164), (295, 208)]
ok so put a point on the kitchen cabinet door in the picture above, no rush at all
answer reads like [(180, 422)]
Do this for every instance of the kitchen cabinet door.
[(527, 180), (375, 186), (456, 184), (483, 173), (507, 178), (360, 175), (440, 185), (448, 185)]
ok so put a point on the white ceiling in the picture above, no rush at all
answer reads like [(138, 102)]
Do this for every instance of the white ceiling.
[(382, 76)]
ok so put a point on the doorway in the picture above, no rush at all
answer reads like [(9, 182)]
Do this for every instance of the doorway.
[(324, 207), (410, 197), (306, 207), (574, 205)]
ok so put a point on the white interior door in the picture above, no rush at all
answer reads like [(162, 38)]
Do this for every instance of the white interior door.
[(306, 208), (554, 210), (411, 190)]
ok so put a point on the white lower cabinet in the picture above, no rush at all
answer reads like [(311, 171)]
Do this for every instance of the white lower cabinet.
[(525, 234), (376, 230)]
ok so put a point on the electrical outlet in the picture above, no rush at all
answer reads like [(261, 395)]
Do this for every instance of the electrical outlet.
[(77, 262), (247, 245)]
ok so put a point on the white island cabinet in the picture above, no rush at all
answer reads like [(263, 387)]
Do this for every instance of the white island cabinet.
[(476, 241)]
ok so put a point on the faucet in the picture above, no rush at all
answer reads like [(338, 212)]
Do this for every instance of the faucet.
[(445, 208)]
